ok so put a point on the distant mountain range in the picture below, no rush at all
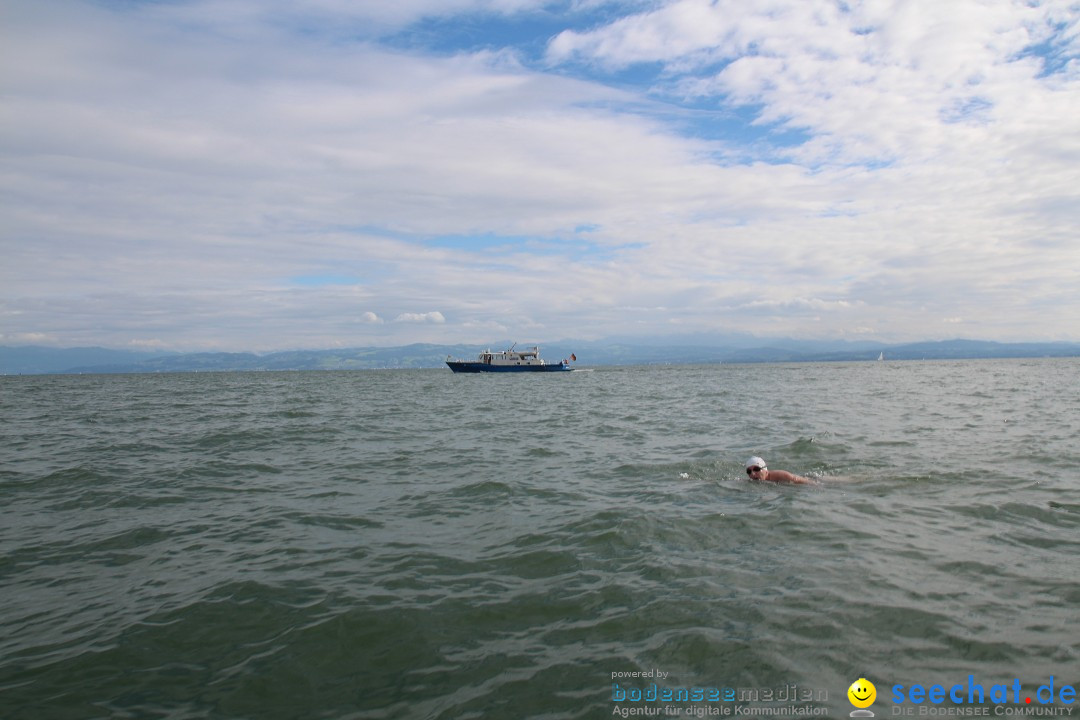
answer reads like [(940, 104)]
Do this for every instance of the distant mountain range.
[(42, 360)]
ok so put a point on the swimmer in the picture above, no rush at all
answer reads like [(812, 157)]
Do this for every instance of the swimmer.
[(756, 469)]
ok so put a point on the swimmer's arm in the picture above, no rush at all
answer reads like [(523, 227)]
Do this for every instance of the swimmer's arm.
[(786, 477)]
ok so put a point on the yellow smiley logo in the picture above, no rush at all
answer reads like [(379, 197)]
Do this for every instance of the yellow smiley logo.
[(862, 693)]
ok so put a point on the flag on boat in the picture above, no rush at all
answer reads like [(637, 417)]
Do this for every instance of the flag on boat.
[(573, 357)]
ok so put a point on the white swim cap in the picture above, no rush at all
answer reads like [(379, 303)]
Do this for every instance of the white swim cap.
[(755, 461)]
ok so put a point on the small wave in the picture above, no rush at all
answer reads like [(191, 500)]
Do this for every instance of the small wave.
[(334, 522)]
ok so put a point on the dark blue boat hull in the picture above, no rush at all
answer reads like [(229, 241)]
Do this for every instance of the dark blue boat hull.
[(479, 367)]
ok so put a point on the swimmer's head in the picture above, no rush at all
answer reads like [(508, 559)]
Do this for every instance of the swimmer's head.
[(754, 465)]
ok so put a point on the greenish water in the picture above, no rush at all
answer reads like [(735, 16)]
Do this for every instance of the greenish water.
[(418, 544)]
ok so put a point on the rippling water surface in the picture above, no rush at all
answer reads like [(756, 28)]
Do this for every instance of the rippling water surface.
[(419, 544)]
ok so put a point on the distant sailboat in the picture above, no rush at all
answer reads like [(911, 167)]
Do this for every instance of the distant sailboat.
[(881, 356)]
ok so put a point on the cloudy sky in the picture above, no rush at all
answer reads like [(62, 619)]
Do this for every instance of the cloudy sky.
[(274, 174)]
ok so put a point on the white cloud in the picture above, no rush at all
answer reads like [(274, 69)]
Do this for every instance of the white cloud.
[(882, 82), (171, 170), (675, 31), (435, 317), (28, 338)]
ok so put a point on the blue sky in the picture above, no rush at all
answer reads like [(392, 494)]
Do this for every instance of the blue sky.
[(262, 174)]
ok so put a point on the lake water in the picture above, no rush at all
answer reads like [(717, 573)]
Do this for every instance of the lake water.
[(419, 544)]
